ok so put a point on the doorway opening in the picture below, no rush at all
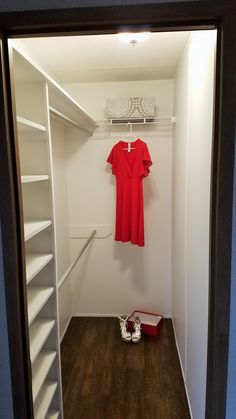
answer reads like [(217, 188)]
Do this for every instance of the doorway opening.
[(65, 136)]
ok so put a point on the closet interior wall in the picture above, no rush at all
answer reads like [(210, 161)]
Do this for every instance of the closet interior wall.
[(194, 104), (113, 277)]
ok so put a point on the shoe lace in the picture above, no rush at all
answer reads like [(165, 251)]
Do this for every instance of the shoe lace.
[(137, 324), (123, 322), (122, 318)]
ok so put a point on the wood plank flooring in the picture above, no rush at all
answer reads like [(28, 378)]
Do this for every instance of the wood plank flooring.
[(105, 378)]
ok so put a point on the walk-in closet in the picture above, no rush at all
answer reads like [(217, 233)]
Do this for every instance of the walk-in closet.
[(74, 99)]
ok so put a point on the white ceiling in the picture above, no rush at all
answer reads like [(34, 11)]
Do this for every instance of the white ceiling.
[(97, 58)]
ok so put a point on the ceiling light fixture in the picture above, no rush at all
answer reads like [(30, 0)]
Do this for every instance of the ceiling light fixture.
[(133, 38)]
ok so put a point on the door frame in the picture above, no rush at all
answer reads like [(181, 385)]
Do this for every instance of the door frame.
[(177, 15), (13, 250)]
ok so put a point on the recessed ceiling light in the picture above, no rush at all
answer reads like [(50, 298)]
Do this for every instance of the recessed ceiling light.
[(133, 38)]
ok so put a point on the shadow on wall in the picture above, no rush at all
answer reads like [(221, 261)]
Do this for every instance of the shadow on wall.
[(77, 140), (112, 178), (132, 259), (78, 276), (150, 190)]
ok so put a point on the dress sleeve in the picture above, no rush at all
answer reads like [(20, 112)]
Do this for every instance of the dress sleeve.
[(147, 162), (112, 159)]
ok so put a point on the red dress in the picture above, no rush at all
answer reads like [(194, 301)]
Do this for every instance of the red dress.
[(130, 167)]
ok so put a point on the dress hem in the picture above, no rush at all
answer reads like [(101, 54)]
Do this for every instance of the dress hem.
[(130, 241)]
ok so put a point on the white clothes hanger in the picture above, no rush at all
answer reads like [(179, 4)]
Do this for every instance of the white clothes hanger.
[(129, 148)]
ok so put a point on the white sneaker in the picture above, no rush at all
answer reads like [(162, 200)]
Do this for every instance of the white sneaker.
[(125, 335), (136, 335)]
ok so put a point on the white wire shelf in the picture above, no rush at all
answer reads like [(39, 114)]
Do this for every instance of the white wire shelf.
[(159, 120)]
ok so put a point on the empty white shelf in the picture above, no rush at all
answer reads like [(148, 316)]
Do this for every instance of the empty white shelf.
[(37, 297), (31, 228), (44, 399), (24, 124), (39, 332), (33, 178), (53, 414), (41, 369), (35, 263)]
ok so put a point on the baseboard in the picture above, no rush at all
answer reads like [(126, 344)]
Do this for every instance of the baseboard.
[(95, 315), (65, 329), (165, 316), (182, 370)]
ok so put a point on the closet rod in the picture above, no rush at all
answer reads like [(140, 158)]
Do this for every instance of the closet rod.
[(65, 118), (67, 273)]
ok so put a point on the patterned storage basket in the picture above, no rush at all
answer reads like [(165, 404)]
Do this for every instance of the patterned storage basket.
[(130, 107)]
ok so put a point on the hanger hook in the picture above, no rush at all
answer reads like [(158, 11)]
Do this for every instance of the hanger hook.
[(130, 128)]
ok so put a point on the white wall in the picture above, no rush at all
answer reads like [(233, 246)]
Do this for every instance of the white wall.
[(191, 206), (179, 198), (115, 277), (93, 96)]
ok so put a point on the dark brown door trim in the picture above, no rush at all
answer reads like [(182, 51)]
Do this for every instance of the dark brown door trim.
[(12, 249), (101, 19), (221, 218), (165, 16)]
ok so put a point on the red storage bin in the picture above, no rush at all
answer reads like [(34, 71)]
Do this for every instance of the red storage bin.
[(150, 323)]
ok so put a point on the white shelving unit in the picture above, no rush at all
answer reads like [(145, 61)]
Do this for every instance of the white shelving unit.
[(41, 369), (39, 99), (39, 332), (33, 178), (35, 263), (32, 228), (44, 399), (37, 297), (53, 414), (24, 124)]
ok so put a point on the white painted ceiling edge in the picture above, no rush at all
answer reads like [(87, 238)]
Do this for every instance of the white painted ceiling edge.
[(104, 58)]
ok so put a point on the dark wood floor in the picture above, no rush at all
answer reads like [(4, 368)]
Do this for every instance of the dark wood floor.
[(105, 378)]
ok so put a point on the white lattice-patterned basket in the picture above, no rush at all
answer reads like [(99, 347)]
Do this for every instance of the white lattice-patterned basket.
[(130, 107)]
